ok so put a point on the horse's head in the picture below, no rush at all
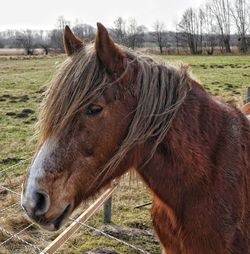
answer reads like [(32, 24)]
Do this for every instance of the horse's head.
[(83, 121)]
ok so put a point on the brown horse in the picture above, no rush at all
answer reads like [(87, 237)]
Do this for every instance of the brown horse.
[(108, 110), (245, 109)]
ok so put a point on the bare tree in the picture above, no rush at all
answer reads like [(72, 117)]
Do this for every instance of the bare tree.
[(222, 13), (177, 38), (61, 23), (201, 20), (141, 30), (119, 31), (210, 32), (56, 35), (241, 15), (56, 39), (160, 34), (43, 41), (9, 38), (131, 33), (84, 31), (135, 34), (191, 30), (25, 40)]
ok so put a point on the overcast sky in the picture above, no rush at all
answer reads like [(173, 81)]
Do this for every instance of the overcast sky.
[(22, 14)]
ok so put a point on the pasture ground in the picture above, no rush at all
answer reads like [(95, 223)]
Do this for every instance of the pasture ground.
[(22, 83)]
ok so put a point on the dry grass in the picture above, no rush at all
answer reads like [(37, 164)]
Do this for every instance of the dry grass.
[(129, 194)]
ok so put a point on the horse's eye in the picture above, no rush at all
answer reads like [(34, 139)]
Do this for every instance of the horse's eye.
[(93, 110)]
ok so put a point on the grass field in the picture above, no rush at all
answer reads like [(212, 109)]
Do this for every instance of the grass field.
[(22, 82), (224, 76)]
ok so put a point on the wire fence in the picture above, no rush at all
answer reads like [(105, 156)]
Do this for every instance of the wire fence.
[(18, 235)]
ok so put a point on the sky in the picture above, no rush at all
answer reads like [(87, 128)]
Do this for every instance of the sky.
[(24, 14)]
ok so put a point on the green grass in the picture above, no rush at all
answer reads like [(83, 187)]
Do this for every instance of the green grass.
[(21, 83), (21, 77), (223, 76)]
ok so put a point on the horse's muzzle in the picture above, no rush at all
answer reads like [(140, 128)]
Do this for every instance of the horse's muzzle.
[(36, 204)]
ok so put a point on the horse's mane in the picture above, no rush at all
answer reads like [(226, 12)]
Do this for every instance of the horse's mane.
[(160, 89)]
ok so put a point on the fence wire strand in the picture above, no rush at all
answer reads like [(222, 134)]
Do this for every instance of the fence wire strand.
[(8, 207), (16, 165), (110, 236), (12, 191), (36, 248), (16, 236)]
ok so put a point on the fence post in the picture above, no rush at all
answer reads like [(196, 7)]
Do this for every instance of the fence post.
[(107, 211), (248, 95)]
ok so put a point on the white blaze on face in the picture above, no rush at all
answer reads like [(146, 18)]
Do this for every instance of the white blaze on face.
[(37, 171)]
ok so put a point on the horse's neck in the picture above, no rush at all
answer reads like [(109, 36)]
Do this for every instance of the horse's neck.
[(182, 163)]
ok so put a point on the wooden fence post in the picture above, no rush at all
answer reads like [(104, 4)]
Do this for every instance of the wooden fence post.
[(107, 211), (248, 95)]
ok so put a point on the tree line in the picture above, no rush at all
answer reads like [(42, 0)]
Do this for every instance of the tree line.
[(217, 25), (211, 25)]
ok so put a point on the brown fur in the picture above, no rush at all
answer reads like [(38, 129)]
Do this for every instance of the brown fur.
[(245, 109), (71, 42), (190, 149)]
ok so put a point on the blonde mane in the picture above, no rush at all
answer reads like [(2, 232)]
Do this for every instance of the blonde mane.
[(160, 89)]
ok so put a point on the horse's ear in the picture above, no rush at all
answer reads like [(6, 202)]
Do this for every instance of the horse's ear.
[(71, 42), (108, 53)]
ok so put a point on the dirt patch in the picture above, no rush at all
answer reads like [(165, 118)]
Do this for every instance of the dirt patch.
[(39, 100), (24, 98), (228, 86), (33, 119), (219, 66), (25, 113), (10, 113), (21, 115), (14, 99), (28, 111), (101, 250), (139, 225), (42, 90), (234, 66), (124, 232), (6, 95), (215, 83), (10, 160), (245, 75)]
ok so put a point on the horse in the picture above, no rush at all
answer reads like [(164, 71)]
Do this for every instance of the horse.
[(245, 109), (109, 109)]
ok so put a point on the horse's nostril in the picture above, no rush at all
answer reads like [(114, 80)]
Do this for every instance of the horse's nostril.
[(42, 203)]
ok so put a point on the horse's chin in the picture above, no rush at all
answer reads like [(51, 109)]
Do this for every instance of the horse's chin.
[(56, 223), (50, 227)]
